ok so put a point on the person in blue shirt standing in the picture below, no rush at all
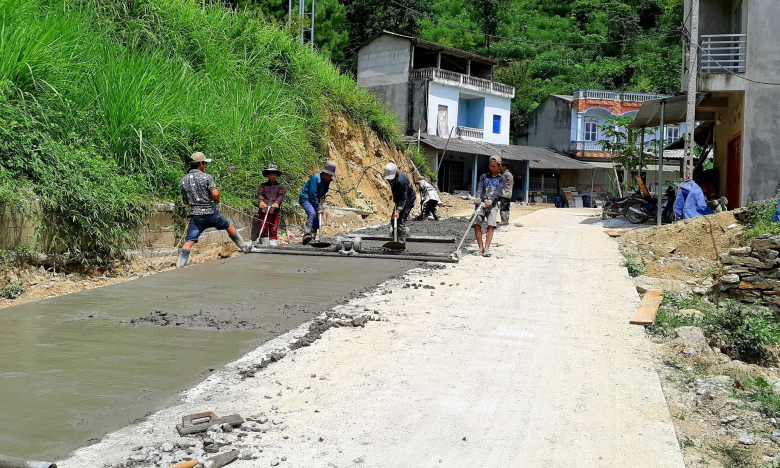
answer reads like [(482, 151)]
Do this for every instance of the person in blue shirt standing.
[(312, 194), (403, 196)]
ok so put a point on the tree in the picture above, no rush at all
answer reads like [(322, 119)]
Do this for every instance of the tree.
[(330, 29), (623, 143), (486, 13), (366, 18)]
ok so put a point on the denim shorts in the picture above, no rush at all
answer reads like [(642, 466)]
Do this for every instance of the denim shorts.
[(199, 223)]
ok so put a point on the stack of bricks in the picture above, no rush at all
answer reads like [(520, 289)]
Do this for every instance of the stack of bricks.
[(752, 273)]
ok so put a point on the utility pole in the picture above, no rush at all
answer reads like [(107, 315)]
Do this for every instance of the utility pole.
[(303, 14), (693, 76)]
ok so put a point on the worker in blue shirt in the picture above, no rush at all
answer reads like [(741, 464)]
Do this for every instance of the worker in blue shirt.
[(312, 194)]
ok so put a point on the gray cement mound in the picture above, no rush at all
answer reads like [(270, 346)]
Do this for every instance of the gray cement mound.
[(196, 320)]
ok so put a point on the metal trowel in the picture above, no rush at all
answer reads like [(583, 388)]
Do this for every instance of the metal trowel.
[(395, 244), (318, 243)]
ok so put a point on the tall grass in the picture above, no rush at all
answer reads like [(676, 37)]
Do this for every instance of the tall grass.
[(102, 101)]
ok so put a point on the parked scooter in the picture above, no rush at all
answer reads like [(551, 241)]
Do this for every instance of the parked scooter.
[(644, 208), (615, 207)]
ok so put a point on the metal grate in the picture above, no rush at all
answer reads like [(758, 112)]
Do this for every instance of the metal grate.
[(723, 53)]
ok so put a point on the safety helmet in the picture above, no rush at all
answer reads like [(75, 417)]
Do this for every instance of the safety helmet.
[(390, 171)]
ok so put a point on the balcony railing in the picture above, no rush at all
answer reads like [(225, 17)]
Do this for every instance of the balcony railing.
[(470, 132), (464, 81), (615, 96), (582, 145), (723, 53)]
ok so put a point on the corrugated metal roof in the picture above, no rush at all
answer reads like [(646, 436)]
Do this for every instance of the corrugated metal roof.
[(437, 47), (539, 158)]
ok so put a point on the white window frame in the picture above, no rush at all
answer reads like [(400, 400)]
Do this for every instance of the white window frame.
[(591, 134), (674, 131)]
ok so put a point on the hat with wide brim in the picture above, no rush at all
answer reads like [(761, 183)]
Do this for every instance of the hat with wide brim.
[(271, 168), (199, 157), (330, 169)]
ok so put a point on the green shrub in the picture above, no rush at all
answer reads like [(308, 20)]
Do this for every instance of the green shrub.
[(759, 220), (670, 316), (745, 329), (634, 264), (11, 291)]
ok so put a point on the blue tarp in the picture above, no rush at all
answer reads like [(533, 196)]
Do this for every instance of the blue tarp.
[(691, 202)]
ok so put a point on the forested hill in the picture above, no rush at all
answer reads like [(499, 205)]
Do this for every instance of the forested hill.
[(648, 62)]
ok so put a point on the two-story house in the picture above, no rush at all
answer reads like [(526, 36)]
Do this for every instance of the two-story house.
[(738, 97), (573, 124), (739, 62), (436, 89), (440, 93)]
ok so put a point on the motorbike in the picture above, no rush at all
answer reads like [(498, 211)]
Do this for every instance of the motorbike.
[(644, 208), (615, 207)]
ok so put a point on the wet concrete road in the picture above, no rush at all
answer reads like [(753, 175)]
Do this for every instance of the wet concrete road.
[(70, 371)]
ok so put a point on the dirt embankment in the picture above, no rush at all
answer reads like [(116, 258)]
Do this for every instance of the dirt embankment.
[(360, 156), (684, 252)]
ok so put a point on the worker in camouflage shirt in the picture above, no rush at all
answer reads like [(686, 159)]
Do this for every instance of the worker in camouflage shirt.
[(199, 192), (489, 189)]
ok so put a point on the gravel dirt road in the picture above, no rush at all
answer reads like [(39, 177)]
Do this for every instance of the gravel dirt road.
[(525, 359)]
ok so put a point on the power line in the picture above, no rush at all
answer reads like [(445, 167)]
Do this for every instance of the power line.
[(521, 41)]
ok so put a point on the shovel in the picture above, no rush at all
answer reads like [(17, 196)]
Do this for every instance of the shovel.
[(471, 223), (318, 243), (267, 212), (394, 244)]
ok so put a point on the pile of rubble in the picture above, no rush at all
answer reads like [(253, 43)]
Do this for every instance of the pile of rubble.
[(219, 445), (752, 273)]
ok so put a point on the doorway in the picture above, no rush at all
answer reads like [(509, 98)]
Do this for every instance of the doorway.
[(451, 176), (734, 170), (441, 122)]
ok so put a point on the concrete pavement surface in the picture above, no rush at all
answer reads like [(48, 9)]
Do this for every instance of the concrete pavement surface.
[(525, 359)]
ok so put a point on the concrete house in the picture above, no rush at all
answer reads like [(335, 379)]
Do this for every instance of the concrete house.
[(437, 92), (438, 87), (740, 67), (737, 101), (572, 124)]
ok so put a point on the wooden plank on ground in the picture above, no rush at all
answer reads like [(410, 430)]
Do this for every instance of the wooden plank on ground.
[(648, 308), (612, 233)]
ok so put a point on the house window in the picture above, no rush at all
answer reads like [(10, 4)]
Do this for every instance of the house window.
[(672, 133), (496, 124), (591, 129)]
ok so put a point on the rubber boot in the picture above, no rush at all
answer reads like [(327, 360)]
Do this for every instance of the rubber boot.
[(307, 233), (403, 231), (184, 255), (435, 215), (239, 241), (265, 241), (273, 243)]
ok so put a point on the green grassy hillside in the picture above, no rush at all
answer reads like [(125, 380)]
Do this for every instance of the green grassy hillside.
[(102, 101)]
